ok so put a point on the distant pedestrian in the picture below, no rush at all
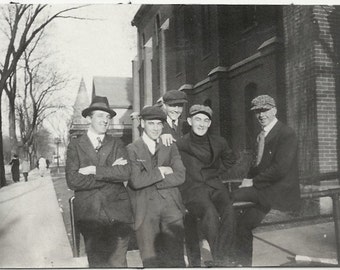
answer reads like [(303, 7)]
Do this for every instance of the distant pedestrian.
[(15, 168), (42, 165), (47, 163), (25, 168)]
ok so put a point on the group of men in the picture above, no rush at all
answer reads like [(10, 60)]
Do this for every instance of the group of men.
[(170, 173)]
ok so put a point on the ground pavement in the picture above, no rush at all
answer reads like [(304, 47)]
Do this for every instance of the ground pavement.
[(33, 235)]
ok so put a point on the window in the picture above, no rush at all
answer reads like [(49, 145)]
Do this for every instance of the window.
[(157, 30), (248, 16), (250, 93), (179, 45), (206, 29)]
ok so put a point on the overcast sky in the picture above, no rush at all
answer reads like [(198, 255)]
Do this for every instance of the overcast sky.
[(104, 46)]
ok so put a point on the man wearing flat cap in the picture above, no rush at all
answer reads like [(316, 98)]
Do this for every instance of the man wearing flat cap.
[(204, 195), (156, 172), (272, 182), (96, 169), (174, 127)]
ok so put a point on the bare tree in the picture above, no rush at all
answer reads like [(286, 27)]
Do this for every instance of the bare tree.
[(25, 23), (38, 99)]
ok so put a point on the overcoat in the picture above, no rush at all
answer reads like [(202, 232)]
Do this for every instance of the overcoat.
[(101, 197), (199, 174)]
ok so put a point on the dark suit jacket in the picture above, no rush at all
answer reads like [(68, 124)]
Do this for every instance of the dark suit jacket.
[(276, 177), (199, 174), (182, 129), (145, 180), (101, 197)]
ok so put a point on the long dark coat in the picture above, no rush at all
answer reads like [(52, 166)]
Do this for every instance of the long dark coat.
[(199, 174), (101, 197)]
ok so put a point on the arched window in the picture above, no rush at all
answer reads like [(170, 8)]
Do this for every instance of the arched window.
[(250, 92), (207, 102)]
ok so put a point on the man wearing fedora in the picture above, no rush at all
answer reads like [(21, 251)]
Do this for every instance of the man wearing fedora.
[(156, 172), (174, 127), (204, 195), (272, 182), (96, 169)]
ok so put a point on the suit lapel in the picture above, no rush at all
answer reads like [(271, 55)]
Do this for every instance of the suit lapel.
[(87, 147), (106, 149), (272, 133), (143, 153), (162, 153), (214, 149)]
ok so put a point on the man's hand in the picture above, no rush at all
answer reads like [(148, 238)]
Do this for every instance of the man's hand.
[(88, 170), (165, 170), (120, 161), (167, 139), (247, 182)]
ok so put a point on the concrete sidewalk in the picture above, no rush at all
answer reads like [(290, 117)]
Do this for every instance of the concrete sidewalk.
[(33, 235), (32, 231)]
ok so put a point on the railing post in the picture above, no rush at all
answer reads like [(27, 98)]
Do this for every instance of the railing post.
[(336, 217), (74, 231)]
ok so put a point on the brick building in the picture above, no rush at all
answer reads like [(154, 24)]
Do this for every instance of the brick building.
[(225, 55)]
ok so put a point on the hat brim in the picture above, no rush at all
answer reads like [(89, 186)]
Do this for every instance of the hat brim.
[(87, 111), (258, 107), (177, 101), (202, 112)]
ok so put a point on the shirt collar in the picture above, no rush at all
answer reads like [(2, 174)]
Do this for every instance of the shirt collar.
[(169, 120), (151, 144), (93, 136), (269, 127)]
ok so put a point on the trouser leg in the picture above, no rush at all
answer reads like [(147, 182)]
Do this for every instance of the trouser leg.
[(224, 245), (192, 243), (248, 220), (105, 245), (172, 231)]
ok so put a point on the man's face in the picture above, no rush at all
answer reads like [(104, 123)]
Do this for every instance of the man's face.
[(174, 111), (100, 121), (152, 128), (199, 123), (265, 116)]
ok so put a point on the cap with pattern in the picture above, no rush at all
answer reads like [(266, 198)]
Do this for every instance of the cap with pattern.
[(198, 108), (175, 97), (153, 113), (262, 102)]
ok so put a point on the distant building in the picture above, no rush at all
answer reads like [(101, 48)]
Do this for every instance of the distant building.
[(118, 90), (225, 55), (78, 123)]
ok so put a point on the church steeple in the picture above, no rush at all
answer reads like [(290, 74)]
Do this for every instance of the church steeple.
[(79, 123)]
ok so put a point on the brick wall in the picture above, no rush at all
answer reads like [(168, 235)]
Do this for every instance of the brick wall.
[(311, 83), (325, 73), (300, 84)]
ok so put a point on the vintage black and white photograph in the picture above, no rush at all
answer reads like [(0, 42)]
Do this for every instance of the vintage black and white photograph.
[(169, 135)]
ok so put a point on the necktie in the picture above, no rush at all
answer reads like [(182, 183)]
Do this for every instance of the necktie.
[(174, 126), (99, 144), (260, 146)]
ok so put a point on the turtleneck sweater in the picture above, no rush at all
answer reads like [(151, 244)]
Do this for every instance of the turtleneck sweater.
[(200, 147)]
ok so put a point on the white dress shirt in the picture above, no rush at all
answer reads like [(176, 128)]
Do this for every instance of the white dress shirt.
[(269, 127), (151, 144), (93, 137), (169, 120)]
